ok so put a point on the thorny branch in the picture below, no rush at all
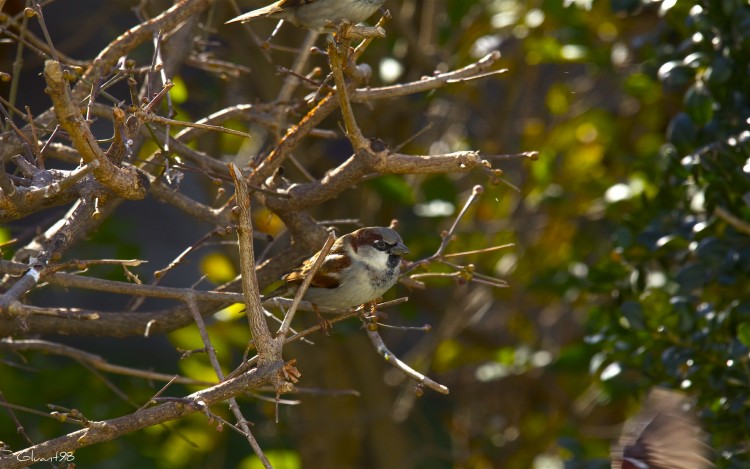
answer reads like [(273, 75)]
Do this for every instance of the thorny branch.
[(267, 348)]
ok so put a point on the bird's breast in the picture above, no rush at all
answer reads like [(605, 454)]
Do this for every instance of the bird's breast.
[(356, 288)]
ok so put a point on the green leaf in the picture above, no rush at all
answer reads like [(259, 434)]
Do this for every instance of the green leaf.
[(393, 189), (632, 314), (280, 458), (675, 73), (681, 131), (439, 187), (743, 333), (699, 104)]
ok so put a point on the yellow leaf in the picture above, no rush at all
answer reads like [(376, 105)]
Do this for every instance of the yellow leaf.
[(266, 221), (179, 92), (279, 458), (231, 312), (217, 267)]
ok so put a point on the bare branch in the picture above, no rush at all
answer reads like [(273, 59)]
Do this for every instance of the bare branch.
[(338, 50), (393, 360), (267, 348), (91, 359), (737, 223), (366, 163), (241, 421), (428, 83), (135, 36), (107, 430), (128, 182)]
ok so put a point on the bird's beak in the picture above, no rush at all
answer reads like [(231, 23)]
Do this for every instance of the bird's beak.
[(399, 249)]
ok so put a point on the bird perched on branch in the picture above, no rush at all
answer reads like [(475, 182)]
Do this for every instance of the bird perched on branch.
[(663, 435), (315, 14), (360, 267)]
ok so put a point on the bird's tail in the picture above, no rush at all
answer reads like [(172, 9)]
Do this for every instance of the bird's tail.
[(268, 10)]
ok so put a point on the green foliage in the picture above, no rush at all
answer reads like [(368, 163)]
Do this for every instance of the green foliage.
[(679, 315)]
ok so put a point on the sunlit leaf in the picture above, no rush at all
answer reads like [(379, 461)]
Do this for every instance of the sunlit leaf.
[(743, 333), (218, 267), (279, 459)]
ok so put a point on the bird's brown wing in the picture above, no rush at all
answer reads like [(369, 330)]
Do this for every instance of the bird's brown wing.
[(327, 276), (285, 4)]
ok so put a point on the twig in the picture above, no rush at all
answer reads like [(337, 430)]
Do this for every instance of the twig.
[(123, 323), (19, 428), (478, 251), (448, 235), (223, 231), (43, 25), (426, 84), (416, 135), (362, 46), (275, 400), (34, 140), (738, 224), (292, 81), (336, 56), (321, 392), (29, 279), (16, 73), (151, 117), (208, 346), (135, 36), (425, 328), (235, 408), (126, 182), (19, 309), (206, 410), (393, 360), (29, 410), (83, 264), (91, 359), (112, 386), (158, 393), (477, 77), (364, 164), (77, 281), (246, 365), (37, 45), (292, 138), (531, 155)]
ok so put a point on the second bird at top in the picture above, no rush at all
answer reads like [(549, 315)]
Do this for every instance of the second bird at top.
[(315, 14)]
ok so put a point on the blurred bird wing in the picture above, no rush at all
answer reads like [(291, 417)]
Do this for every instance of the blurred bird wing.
[(663, 435)]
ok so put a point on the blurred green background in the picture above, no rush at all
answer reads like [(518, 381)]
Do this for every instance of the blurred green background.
[(631, 231)]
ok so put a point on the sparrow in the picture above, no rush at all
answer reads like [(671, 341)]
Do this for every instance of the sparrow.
[(663, 435), (314, 14), (359, 268)]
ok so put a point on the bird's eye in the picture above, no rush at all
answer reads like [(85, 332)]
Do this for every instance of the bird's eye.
[(381, 245)]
